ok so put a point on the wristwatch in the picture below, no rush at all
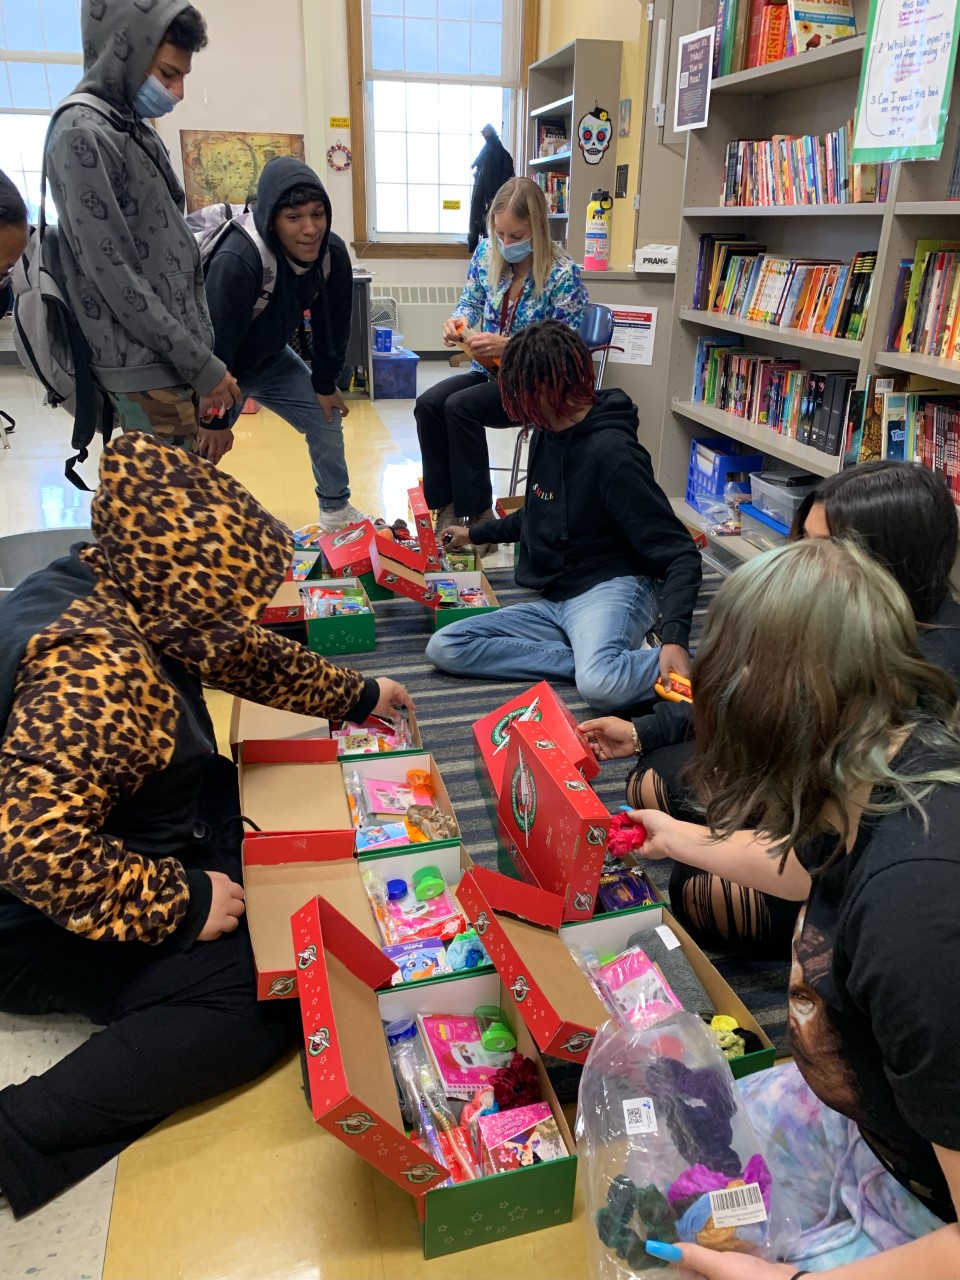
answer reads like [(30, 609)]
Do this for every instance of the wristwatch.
[(637, 748)]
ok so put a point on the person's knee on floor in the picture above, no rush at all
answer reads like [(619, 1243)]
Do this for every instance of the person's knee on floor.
[(610, 686)]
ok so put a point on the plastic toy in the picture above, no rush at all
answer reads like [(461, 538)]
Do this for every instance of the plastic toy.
[(427, 884), (495, 1033), (401, 917), (680, 690)]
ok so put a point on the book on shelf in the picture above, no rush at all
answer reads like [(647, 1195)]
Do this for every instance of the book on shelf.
[(824, 296), (800, 170), (802, 404), (553, 137), (894, 418), (816, 23), (750, 33), (927, 318), (555, 187)]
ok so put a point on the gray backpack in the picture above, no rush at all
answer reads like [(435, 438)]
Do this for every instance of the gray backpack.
[(212, 223), (46, 335)]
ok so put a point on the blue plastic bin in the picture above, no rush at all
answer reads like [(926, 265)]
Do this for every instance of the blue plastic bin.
[(395, 376), (713, 459)]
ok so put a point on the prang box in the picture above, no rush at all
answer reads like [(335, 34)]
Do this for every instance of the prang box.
[(553, 823)]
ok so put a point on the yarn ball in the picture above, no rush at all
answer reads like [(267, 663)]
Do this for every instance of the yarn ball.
[(625, 836)]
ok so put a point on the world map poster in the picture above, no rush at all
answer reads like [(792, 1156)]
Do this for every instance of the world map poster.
[(220, 166)]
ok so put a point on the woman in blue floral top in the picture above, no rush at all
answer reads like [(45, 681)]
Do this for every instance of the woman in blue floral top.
[(517, 276)]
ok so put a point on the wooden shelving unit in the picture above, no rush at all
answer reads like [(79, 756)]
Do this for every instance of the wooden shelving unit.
[(811, 93), (566, 85)]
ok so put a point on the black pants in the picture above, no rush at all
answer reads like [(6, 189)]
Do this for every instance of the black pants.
[(451, 418), (180, 1027)]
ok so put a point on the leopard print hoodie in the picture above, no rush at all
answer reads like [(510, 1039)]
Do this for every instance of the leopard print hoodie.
[(101, 658)]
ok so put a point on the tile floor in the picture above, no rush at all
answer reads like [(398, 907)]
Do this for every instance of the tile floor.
[(247, 1188)]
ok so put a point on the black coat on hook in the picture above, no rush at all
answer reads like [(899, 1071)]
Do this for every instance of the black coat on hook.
[(491, 169)]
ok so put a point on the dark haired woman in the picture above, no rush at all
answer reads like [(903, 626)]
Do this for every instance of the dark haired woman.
[(597, 535), (905, 518), (14, 234), (843, 744)]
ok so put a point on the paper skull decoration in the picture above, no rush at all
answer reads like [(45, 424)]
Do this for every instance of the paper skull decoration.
[(593, 134)]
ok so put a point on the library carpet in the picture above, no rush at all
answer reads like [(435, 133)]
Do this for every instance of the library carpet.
[(447, 708)]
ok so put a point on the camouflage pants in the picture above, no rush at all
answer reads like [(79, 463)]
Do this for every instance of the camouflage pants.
[(169, 413)]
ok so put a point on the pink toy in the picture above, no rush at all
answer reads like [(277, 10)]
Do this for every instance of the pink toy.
[(462, 1063), (625, 836)]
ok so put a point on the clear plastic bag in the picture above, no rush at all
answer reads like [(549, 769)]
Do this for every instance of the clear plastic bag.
[(667, 1151), (720, 516)]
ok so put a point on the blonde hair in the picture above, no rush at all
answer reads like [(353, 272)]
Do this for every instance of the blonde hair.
[(522, 198), (807, 672)]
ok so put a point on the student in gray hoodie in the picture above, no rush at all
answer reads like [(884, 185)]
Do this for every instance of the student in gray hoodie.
[(131, 263)]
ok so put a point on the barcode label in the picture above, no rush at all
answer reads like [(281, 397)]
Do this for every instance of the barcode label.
[(639, 1116), (738, 1206)]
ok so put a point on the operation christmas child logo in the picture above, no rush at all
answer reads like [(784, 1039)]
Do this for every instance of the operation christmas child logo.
[(501, 730)]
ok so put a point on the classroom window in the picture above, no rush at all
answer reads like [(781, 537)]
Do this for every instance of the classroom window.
[(436, 71), (40, 63)]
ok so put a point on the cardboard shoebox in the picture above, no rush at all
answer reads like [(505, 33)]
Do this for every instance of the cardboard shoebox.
[(444, 614), (347, 552), (285, 607), (553, 825), (402, 570), (353, 1095), (344, 633), (521, 930), (251, 721), (554, 718), (306, 565), (423, 524), (393, 767)]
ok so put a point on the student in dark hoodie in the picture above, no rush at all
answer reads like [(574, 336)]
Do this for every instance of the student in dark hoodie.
[(120, 832), (131, 263), (598, 540), (292, 216)]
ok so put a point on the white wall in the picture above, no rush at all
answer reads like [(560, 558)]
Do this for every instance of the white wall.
[(249, 78)]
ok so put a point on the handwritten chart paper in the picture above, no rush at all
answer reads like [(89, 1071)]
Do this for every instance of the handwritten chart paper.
[(906, 79)]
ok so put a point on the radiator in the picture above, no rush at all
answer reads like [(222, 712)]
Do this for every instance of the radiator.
[(422, 309)]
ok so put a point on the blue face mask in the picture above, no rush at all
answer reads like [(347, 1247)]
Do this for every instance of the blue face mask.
[(515, 252), (154, 99)]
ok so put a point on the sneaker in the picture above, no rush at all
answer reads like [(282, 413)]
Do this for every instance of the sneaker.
[(341, 517)]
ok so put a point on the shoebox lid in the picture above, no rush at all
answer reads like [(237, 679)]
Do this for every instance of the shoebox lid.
[(506, 506), (353, 1094), (557, 722), (347, 551), (555, 819), (286, 605), (423, 522), (274, 891), (270, 732), (297, 806), (392, 569), (306, 565), (551, 993)]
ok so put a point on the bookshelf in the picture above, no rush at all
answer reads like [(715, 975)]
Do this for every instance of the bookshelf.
[(562, 88), (810, 93)]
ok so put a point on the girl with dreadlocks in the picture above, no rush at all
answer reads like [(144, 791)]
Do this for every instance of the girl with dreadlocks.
[(598, 541)]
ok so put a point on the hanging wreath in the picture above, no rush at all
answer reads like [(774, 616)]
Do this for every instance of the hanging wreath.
[(339, 166)]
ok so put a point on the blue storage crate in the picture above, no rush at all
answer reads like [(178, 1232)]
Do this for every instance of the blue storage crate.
[(395, 375), (712, 460)]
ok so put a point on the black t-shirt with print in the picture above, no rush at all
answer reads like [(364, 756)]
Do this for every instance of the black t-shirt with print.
[(874, 1008)]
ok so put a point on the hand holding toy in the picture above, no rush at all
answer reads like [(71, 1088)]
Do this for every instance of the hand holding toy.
[(679, 691)]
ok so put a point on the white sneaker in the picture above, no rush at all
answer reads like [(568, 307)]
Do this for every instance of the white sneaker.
[(341, 517)]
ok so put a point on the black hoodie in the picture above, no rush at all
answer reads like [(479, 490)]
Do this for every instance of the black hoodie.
[(594, 512), (233, 285)]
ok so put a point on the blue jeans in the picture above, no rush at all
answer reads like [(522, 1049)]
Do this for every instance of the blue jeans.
[(592, 640), (282, 383)]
